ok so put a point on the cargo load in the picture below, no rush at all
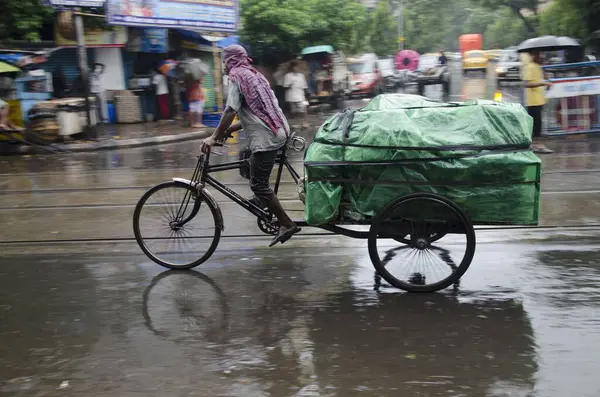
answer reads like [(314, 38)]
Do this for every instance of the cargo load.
[(475, 153)]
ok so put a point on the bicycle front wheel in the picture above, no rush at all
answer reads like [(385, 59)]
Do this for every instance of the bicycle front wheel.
[(176, 226)]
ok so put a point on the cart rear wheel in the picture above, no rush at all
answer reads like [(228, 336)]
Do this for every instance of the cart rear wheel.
[(423, 263)]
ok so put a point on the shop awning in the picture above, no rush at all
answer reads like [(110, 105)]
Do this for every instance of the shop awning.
[(196, 37), (7, 68), (25, 58)]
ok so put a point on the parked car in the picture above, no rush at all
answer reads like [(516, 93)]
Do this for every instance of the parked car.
[(493, 55), (367, 79), (328, 76), (474, 61), (509, 66), (455, 56)]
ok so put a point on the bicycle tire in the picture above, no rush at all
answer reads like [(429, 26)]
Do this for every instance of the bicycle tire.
[(204, 200)]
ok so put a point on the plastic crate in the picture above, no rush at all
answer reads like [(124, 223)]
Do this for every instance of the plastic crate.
[(112, 113), (211, 119)]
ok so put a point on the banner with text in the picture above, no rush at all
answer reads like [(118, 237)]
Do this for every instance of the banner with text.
[(61, 4), (201, 15), (148, 40), (115, 37), (575, 87)]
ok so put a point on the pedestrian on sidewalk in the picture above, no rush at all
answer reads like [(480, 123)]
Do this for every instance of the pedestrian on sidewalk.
[(535, 97), (185, 106), (162, 94), (195, 94), (5, 123), (295, 84), (97, 89)]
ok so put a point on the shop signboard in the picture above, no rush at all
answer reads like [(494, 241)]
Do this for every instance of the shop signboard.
[(148, 40), (61, 4), (200, 15), (154, 40), (114, 37)]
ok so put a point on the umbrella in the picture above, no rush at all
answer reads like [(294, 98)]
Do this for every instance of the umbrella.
[(6, 68), (167, 67), (548, 43), (192, 69), (407, 60)]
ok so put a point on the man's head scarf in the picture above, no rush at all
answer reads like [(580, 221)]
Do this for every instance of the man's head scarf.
[(254, 87)]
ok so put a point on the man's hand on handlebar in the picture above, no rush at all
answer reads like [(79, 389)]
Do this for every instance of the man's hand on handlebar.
[(208, 143)]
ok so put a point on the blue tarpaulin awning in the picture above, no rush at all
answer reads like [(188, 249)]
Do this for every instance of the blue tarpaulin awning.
[(231, 40), (194, 36)]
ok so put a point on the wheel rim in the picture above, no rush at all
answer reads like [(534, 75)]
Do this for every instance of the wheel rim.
[(172, 230), (424, 261)]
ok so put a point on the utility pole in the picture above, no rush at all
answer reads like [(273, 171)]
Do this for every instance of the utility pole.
[(401, 25), (84, 70)]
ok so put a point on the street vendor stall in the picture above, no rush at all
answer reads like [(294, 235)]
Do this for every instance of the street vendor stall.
[(329, 78)]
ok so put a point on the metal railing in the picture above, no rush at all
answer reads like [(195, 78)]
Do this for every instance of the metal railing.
[(573, 105)]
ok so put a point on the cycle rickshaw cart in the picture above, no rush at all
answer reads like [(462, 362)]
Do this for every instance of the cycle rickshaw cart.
[(404, 216)]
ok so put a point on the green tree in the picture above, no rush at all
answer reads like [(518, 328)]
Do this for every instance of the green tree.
[(516, 7), (23, 19), (562, 19), (384, 37), (426, 24), (278, 29), (505, 31)]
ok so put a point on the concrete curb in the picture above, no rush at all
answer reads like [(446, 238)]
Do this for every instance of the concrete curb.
[(108, 144)]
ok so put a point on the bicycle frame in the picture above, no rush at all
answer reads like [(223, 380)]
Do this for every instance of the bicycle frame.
[(201, 178), (203, 169)]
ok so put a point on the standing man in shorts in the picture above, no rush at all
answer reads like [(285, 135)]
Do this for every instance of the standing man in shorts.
[(295, 84), (196, 102), (535, 97), (251, 97)]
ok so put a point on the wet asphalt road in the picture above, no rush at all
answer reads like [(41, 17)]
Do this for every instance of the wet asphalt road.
[(84, 313)]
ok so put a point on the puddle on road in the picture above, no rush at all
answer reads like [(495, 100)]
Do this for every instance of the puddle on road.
[(297, 322)]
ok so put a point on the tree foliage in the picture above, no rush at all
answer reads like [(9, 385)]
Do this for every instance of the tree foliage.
[(278, 29), (426, 25), (505, 31), (23, 19), (516, 7), (384, 35), (562, 19)]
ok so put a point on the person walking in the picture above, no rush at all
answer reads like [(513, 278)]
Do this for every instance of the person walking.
[(97, 89), (251, 97), (195, 94), (162, 94), (535, 97), (295, 84), (443, 60)]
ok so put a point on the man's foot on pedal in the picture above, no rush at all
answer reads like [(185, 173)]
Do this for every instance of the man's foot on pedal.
[(285, 234)]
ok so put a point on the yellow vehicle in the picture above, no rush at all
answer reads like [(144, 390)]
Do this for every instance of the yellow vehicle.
[(474, 61), (493, 55)]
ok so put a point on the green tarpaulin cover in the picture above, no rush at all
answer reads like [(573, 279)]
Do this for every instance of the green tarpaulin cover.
[(475, 153)]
